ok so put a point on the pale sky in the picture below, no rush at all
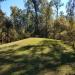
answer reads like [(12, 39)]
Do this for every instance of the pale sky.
[(20, 4)]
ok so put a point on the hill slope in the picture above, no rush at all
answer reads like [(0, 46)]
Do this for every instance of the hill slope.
[(36, 56)]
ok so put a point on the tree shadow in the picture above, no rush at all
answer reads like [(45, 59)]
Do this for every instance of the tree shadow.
[(45, 55)]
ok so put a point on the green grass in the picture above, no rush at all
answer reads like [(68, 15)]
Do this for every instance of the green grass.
[(37, 56)]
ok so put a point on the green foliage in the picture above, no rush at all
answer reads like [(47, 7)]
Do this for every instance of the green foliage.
[(57, 4), (28, 22), (38, 56)]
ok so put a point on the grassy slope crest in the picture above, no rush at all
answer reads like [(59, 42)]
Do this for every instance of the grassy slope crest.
[(34, 56)]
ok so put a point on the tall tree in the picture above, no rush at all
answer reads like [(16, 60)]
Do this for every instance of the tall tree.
[(8, 26), (57, 4), (1, 23), (36, 7), (71, 18), (46, 15), (29, 16), (71, 11), (19, 20)]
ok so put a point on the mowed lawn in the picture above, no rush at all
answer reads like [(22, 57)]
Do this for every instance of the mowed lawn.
[(37, 56)]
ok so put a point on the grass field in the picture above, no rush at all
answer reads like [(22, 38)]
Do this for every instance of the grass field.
[(37, 56)]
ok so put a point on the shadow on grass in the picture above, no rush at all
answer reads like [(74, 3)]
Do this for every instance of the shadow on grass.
[(45, 55)]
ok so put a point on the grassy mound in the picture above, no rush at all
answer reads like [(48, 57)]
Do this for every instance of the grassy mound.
[(36, 56)]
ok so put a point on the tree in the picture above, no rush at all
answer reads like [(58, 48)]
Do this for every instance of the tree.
[(32, 7), (46, 18), (7, 26), (57, 4), (30, 17), (71, 11), (61, 27), (40, 11), (36, 7), (19, 21), (71, 17), (2, 18)]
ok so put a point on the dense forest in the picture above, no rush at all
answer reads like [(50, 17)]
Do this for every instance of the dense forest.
[(38, 39), (40, 18)]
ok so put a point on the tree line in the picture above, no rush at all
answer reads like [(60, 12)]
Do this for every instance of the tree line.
[(40, 18)]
